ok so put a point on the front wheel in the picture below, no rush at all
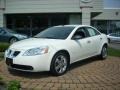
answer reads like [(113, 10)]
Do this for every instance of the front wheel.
[(104, 53), (59, 64)]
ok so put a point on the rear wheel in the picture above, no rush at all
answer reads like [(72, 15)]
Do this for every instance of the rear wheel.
[(59, 64), (104, 53), (12, 40)]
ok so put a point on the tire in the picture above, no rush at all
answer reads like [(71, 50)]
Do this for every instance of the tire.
[(104, 53), (108, 40), (12, 40), (59, 64)]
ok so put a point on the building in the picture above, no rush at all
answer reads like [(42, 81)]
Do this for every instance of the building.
[(32, 16)]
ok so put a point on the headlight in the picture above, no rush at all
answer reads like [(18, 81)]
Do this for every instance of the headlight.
[(36, 51)]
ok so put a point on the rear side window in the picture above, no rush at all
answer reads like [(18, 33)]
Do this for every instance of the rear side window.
[(92, 31)]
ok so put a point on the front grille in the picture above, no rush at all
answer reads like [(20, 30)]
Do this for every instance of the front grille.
[(9, 62), (23, 67)]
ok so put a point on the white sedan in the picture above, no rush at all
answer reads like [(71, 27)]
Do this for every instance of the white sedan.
[(55, 48)]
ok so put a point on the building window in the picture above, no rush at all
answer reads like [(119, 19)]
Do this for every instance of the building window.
[(107, 26), (31, 24)]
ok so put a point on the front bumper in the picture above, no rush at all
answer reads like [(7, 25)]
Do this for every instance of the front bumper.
[(29, 63)]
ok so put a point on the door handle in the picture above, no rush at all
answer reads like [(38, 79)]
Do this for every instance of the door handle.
[(89, 41), (100, 38)]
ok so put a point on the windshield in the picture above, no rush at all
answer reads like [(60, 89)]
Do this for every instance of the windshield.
[(9, 30), (61, 32)]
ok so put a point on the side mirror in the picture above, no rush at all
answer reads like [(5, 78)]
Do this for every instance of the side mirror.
[(77, 37)]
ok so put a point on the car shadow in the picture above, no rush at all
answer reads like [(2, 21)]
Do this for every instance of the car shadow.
[(30, 75), (83, 62), (38, 75)]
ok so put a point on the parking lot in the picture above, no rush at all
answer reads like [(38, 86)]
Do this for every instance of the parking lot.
[(91, 74)]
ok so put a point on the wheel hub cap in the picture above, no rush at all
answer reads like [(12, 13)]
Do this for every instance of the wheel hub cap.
[(60, 64), (104, 52)]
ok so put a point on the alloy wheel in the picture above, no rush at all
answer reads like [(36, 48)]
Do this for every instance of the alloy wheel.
[(61, 64), (12, 40), (104, 52)]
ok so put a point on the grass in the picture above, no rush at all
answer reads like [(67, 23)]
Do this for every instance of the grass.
[(1, 55), (12, 85), (113, 52), (3, 46)]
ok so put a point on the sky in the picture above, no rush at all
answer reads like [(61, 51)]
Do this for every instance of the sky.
[(112, 3)]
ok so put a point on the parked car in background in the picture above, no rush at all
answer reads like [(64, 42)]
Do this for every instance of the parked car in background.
[(55, 48), (7, 35), (114, 37)]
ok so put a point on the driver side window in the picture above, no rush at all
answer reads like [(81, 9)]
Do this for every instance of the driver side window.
[(80, 34)]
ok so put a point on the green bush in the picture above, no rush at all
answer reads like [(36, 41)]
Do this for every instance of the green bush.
[(14, 85), (3, 46)]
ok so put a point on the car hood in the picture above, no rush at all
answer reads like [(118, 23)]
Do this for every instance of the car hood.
[(34, 42), (20, 35)]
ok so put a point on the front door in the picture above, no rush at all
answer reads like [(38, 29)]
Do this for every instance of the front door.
[(81, 44)]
